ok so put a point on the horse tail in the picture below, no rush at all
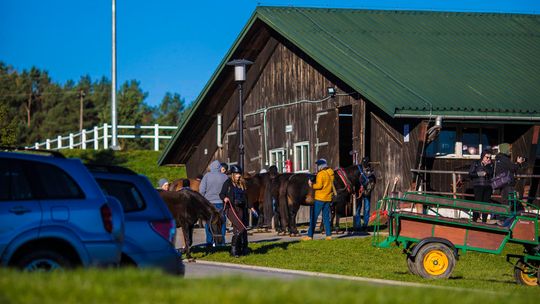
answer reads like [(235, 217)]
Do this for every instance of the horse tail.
[(283, 204)]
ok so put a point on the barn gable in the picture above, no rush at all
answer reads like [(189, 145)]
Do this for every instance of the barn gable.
[(404, 63)]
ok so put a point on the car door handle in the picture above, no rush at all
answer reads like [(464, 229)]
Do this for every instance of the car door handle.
[(19, 210)]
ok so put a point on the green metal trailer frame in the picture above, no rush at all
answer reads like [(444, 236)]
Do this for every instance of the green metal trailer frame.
[(413, 230)]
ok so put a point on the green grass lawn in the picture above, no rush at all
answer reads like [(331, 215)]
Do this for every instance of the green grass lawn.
[(142, 162), (357, 257), (134, 286)]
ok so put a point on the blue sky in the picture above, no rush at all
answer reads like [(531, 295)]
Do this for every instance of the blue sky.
[(168, 45)]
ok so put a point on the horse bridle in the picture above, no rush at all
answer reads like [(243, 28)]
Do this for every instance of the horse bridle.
[(342, 174)]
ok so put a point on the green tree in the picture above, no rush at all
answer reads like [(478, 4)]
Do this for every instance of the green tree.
[(170, 110), (8, 129)]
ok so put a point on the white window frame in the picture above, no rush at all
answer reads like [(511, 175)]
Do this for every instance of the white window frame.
[(273, 161), (299, 159)]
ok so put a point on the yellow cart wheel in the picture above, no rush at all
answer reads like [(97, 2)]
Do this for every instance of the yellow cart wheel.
[(435, 261), (525, 275)]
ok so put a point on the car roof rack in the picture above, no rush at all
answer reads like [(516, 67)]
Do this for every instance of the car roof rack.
[(25, 149), (110, 169)]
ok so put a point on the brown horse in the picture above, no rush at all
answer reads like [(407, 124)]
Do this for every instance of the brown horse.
[(187, 207), (293, 192), (259, 196), (194, 184)]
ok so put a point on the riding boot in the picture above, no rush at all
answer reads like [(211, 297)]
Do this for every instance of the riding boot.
[(244, 244), (234, 246)]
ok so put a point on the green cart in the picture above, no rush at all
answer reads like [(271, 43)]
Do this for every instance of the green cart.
[(433, 229)]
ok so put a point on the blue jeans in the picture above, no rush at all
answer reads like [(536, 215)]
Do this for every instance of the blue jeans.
[(365, 203), (209, 240), (315, 211)]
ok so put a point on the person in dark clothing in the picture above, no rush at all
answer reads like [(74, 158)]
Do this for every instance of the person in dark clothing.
[(233, 194), (481, 172), (503, 163)]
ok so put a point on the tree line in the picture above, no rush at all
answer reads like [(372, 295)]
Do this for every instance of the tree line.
[(33, 107)]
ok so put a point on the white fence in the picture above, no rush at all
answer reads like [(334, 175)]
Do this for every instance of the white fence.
[(100, 136)]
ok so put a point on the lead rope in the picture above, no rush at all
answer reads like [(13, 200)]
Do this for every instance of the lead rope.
[(236, 215)]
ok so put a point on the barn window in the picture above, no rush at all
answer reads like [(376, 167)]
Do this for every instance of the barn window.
[(463, 142), (277, 158), (301, 157)]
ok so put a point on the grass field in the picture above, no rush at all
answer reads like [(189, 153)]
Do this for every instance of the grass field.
[(142, 162), (356, 257), (134, 286)]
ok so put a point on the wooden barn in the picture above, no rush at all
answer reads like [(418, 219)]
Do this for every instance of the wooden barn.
[(413, 89)]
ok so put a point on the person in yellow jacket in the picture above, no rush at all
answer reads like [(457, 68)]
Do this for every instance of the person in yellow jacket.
[(323, 198)]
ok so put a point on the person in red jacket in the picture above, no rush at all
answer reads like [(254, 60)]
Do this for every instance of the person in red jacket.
[(323, 198)]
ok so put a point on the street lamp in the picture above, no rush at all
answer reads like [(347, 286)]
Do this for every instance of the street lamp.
[(240, 77)]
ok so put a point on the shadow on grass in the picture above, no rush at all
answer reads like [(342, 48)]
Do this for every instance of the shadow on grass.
[(205, 250), (267, 247)]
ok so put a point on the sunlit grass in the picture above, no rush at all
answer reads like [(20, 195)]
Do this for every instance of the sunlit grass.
[(134, 286), (357, 257), (142, 162)]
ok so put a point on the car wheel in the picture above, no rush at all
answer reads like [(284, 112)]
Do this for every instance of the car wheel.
[(44, 260)]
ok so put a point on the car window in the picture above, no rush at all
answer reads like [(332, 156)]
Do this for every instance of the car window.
[(128, 195), (14, 183), (53, 182)]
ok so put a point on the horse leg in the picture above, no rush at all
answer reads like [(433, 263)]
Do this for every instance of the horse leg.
[(185, 235), (293, 210), (283, 211)]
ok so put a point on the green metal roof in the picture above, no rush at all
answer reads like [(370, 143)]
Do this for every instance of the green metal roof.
[(414, 62)]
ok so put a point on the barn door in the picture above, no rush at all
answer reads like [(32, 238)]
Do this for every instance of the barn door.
[(327, 136), (254, 159)]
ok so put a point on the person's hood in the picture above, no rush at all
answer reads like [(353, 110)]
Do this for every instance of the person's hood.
[(215, 166), (330, 171)]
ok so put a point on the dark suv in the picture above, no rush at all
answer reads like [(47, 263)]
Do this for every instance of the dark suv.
[(150, 227), (54, 215)]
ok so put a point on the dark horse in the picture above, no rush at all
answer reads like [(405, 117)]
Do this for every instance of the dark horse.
[(349, 181), (187, 207), (259, 196), (294, 191)]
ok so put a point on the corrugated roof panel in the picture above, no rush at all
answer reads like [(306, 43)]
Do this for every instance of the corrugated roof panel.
[(448, 60)]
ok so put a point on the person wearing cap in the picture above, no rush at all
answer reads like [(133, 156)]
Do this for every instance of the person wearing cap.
[(233, 194), (163, 184), (210, 188), (225, 168), (323, 197), (504, 164)]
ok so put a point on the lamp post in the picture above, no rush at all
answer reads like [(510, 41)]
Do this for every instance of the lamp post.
[(240, 77), (114, 144)]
